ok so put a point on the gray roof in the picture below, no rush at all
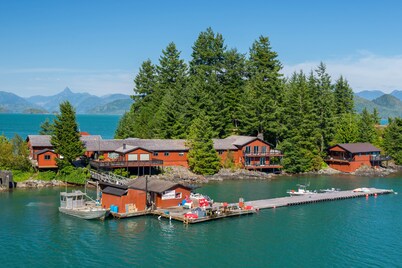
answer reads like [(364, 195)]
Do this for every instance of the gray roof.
[(44, 140), (154, 185), (126, 148), (234, 142), (44, 151), (159, 144), (358, 147), (40, 140), (114, 191), (96, 143)]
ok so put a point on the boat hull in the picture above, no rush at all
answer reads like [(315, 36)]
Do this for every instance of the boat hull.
[(87, 213)]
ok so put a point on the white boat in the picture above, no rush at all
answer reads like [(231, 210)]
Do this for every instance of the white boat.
[(330, 190), (76, 204), (302, 190)]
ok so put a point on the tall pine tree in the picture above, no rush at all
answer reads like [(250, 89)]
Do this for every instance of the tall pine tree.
[(266, 86), (66, 137), (202, 157)]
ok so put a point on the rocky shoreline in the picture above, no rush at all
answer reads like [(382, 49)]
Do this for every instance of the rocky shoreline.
[(183, 175)]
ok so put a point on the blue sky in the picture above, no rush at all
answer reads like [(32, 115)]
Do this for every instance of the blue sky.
[(98, 46)]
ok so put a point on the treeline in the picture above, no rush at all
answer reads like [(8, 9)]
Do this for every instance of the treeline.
[(246, 95)]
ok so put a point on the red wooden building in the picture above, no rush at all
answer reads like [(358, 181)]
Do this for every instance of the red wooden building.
[(349, 157), (161, 194), (245, 151)]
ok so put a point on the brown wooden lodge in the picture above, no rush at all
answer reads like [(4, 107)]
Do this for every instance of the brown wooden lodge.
[(142, 155), (348, 157)]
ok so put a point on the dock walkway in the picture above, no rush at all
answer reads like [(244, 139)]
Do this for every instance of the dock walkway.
[(314, 198)]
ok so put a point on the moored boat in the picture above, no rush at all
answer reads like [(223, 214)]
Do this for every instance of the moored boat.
[(301, 190), (76, 204)]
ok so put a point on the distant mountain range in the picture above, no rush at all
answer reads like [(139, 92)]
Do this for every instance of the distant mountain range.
[(84, 103), (388, 105)]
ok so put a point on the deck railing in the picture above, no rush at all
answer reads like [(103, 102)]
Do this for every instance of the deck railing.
[(133, 163), (380, 158), (271, 153)]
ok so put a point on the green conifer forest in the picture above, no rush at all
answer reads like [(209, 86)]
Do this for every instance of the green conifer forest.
[(245, 94)]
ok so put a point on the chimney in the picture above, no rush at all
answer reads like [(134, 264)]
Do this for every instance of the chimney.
[(124, 146), (260, 135)]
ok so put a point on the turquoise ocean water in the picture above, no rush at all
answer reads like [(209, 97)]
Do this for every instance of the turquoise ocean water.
[(348, 233), (26, 124)]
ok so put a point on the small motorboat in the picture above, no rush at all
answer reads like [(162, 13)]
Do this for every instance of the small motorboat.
[(330, 190), (76, 204), (302, 190)]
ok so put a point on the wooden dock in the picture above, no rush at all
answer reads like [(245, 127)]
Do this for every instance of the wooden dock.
[(176, 214), (218, 211), (314, 198)]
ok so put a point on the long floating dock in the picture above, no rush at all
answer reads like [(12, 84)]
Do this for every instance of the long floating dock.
[(314, 198), (218, 211)]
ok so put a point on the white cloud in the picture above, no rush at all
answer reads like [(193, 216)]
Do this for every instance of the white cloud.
[(363, 71)]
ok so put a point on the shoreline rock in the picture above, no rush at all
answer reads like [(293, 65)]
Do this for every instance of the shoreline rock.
[(30, 183)]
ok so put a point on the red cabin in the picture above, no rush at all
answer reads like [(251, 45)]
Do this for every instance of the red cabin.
[(348, 157), (161, 194)]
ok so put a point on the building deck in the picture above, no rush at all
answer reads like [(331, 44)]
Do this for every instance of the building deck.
[(314, 198)]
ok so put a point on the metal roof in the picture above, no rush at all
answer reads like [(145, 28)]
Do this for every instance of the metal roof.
[(44, 151), (358, 147), (96, 143), (39, 140), (154, 185), (114, 191)]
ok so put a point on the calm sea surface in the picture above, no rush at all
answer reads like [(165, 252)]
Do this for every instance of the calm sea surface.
[(26, 124), (348, 233)]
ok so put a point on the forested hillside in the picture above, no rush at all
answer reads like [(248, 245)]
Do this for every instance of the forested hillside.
[(245, 94)]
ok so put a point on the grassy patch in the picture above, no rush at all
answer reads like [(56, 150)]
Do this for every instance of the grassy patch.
[(19, 176)]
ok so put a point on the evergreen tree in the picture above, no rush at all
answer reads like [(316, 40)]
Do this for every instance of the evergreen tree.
[(125, 128), (207, 73), (323, 96), (393, 139), (140, 120), (235, 96), (202, 157), (343, 97), (66, 137), (300, 144), (376, 116), (347, 130), (266, 86), (46, 128), (172, 80), (367, 132)]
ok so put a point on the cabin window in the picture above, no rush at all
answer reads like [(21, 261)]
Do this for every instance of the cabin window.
[(181, 154), (262, 161), (248, 161), (113, 155), (178, 196), (256, 149), (156, 153), (247, 149), (264, 149), (166, 153), (144, 157), (220, 152), (132, 157), (47, 157)]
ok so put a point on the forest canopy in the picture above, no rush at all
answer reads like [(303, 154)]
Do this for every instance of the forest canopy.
[(245, 94)]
